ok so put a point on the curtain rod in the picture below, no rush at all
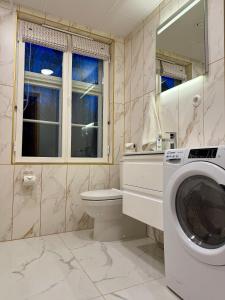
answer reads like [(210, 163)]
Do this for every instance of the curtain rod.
[(67, 31)]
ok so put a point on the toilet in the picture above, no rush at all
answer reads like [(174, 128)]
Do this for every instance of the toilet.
[(105, 207)]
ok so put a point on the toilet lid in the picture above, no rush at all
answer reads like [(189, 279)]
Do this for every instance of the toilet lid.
[(111, 194)]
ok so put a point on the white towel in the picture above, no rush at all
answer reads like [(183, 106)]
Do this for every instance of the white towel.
[(152, 126)]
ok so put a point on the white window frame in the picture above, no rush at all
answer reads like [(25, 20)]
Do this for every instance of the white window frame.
[(66, 105)]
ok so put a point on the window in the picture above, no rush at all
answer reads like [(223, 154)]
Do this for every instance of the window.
[(42, 102), (169, 83), (86, 119), (62, 103)]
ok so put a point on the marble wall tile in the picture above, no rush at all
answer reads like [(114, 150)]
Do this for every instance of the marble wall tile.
[(137, 61), (114, 176), (118, 131), (119, 49), (26, 205), (137, 110), (127, 71), (77, 182), (6, 95), (149, 52), (6, 202), (216, 30), (53, 200), (214, 106), (127, 116), (99, 177), (168, 110), (7, 47), (190, 116), (151, 126), (119, 80)]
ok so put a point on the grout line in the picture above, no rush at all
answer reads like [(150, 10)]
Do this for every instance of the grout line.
[(70, 250)]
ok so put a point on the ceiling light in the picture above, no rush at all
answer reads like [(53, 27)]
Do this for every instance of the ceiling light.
[(178, 16), (47, 72)]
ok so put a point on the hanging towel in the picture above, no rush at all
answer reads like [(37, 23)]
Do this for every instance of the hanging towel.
[(152, 126)]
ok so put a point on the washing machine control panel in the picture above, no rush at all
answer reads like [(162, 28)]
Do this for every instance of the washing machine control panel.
[(174, 155)]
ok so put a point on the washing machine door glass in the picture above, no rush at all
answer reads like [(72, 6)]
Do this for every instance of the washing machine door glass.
[(200, 209)]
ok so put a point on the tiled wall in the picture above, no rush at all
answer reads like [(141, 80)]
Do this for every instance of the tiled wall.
[(196, 126), (53, 205)]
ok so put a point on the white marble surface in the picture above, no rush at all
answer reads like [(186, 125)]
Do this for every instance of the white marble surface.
[(149, 40), (72, 266), (127, 117), (26, 206), (7, 47), (216, 30), (168, 110), (53, 201), (127, 70), (114, 176), (6, 96), (190, 116), (214, 105), (137, 62), (137, 114), (152, 290), (118, 131), (77, 182), (99, 177), (119, 265), (6, 202)]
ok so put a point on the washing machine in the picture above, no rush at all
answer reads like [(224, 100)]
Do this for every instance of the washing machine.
[(194, 222)]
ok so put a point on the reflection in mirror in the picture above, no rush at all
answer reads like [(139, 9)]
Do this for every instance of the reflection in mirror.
[(181, 46)]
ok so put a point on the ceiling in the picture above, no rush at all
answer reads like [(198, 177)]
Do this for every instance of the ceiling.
[(118, 17)]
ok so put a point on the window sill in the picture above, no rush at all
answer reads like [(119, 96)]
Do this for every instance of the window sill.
[(59, 160)]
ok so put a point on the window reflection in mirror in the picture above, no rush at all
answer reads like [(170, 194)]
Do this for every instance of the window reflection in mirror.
[(181, 46)]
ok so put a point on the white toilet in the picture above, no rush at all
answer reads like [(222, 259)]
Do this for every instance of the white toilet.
[(105, 206)]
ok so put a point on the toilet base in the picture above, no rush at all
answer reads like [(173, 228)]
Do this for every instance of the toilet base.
[(108, 230)]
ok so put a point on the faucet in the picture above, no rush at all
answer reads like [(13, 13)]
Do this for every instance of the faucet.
[(172, 140)]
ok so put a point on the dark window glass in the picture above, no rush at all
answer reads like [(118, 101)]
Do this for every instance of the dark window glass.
[(38, 58), (84, 109), (86, 69), (40, 140), (85, 142), (169, 83), (200, 208), (41, 103)]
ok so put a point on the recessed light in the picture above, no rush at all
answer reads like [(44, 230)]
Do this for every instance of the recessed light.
[(47, 72)]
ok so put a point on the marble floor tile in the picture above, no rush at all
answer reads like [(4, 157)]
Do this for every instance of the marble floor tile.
[(153, 290), (43, 269), (119, 265), (71, 266)]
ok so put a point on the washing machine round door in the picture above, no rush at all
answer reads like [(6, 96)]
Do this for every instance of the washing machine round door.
[(198, 209)]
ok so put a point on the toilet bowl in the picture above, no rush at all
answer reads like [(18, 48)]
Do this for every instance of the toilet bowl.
[(105, 207)]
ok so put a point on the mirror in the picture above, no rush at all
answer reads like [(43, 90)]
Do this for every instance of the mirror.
[(181, 46)]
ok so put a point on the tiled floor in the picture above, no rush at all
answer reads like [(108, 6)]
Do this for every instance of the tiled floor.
[(71, 266)]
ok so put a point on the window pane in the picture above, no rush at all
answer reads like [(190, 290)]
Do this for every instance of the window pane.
[(87, 69), (40, 140), (38, 58), (84, 109), (41, 103), (85, 142), (169, 83)]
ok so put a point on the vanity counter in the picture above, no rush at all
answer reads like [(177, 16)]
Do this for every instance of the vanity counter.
[(144, 153)]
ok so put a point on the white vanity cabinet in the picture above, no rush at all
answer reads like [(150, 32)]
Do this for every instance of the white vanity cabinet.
[(142, 186)]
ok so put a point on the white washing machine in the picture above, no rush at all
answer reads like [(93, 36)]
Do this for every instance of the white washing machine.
[(194, 222)]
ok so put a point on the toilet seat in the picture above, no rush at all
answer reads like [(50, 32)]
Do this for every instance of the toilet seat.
[(102, 195)]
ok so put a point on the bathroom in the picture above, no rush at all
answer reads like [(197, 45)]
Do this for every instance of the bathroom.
[(47, 246)]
